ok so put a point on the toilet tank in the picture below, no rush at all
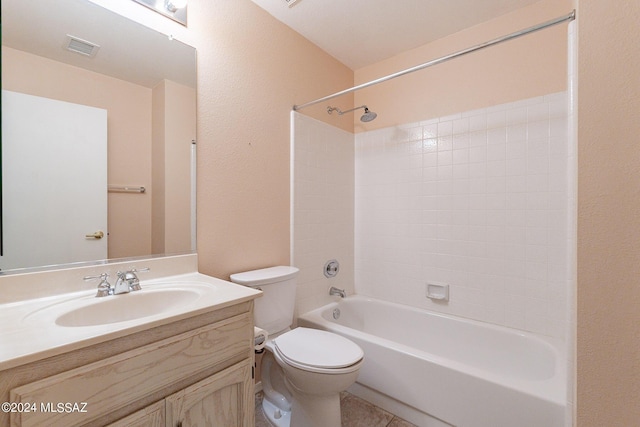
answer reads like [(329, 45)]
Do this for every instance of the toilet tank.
[(273, 311)]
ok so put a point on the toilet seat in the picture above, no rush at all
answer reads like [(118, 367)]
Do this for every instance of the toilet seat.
[(319, 351)]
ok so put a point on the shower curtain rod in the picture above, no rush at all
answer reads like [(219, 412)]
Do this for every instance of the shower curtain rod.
[(570, 17)]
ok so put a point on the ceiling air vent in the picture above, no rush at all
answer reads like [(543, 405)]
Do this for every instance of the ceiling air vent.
[(83, 47)]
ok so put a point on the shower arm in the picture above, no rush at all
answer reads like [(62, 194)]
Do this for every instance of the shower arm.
[(340, 112)]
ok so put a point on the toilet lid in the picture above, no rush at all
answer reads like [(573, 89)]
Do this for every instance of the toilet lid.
[(316, 348)]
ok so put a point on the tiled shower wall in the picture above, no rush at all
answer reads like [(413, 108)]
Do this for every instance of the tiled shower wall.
[(478, 201), (322, 209)]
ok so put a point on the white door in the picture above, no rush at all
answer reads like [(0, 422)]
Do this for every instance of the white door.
[(54, 181)]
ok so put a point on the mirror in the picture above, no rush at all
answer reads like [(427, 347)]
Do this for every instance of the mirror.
[(146, 83)]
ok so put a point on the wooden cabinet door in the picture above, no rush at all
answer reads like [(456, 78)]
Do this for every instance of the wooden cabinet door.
[(151, 416), (224, 399), (109, 384)]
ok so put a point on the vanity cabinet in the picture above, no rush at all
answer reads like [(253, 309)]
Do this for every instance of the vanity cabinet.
[(199, 373), (214, 401)]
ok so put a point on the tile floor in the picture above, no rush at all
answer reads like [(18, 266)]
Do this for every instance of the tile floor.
[(355, 413)]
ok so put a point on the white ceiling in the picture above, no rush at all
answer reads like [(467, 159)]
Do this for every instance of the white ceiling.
[(362, 32)]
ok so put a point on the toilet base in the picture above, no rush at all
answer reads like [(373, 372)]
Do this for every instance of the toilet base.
[(275, 415), (315, 411), (304, 413)]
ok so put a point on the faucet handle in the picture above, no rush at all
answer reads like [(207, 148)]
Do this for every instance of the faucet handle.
[(104, 288), (134, 283), (101, 276)]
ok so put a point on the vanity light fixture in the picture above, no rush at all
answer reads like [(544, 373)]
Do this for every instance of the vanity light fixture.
[(172, 9)]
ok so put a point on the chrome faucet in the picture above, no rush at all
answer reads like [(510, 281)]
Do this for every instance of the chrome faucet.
[(127, 281), (333, 291)]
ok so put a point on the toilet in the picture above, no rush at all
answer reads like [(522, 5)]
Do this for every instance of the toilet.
[(303, 370)]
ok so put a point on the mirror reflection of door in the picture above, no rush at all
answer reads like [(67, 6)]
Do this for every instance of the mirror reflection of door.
[(54, 178), (147, 97)]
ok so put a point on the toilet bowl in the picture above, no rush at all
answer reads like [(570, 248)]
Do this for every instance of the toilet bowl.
[(317, 366), (303, 370)]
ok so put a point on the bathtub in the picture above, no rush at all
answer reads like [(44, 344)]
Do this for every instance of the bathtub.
[(436, 370)]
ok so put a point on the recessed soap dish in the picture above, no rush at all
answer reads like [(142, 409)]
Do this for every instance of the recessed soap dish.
[(438, 291)]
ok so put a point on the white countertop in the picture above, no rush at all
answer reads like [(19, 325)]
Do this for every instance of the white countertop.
[(28, 329)]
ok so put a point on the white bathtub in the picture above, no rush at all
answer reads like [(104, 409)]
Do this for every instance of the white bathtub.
[(439, 370)]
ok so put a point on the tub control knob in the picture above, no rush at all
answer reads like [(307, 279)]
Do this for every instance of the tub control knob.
[(331, 268)]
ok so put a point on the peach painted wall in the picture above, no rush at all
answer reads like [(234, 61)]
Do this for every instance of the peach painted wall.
[(129, 121), (608, 291), (176, 129), (527, 67), (180, 131), (158, 154), (251, 71)]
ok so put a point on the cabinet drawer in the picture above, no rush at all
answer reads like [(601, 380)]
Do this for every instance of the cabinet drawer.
[(120, 380)]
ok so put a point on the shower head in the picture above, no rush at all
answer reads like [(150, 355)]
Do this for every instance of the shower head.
[(366, 117)]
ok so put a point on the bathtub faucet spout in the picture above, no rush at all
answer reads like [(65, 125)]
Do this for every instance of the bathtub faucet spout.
[(339, 292)]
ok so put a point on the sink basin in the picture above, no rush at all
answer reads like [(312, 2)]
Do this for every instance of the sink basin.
[(120, 308), (153, 300), (57, 312)]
